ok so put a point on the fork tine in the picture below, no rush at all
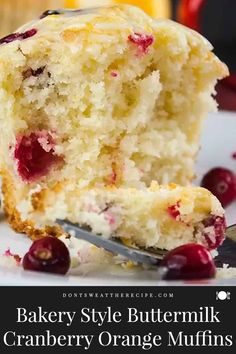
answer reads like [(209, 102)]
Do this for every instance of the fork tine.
[(138, 255)]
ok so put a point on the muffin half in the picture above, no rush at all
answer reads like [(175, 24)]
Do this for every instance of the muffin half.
[(100, 98)]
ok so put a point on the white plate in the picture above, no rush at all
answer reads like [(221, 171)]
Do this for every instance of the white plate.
[(218, 144)]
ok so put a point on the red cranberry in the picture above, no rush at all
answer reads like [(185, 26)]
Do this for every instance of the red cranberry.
[(214, 231), (8, 253), (31, 72), (29, 33), (114, 73), (222, 183), (35, 155), (48, 255), (234, 155), (18, 36), (50, 12), (142, 40), (173, 210), (230, 81), (190, 261)]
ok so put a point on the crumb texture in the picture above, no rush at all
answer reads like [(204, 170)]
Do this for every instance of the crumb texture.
[(101, 98), (124, 95)]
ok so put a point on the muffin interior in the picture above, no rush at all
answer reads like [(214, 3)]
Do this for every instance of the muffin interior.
[(121, 107)]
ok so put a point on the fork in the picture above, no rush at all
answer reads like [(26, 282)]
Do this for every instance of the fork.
[(227, 251)]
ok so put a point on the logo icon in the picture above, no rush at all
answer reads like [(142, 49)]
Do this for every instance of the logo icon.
[(222, 295)]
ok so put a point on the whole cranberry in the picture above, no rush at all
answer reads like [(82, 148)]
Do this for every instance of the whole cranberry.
[(222, 183), (190, 261), (49, 255)]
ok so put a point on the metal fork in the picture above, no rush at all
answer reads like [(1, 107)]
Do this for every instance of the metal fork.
[(227, 251)]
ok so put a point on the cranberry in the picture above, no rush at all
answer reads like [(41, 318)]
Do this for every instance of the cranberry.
[(173, 210), (114, 73), (31, 72), (234, 155), (110, 218), (49, 255), (214, 231), (35, 155), (222, 183), (230, 81), (17, 258), (190, 261), (142, 40), (18, 36), (29, 33), (50, 12)]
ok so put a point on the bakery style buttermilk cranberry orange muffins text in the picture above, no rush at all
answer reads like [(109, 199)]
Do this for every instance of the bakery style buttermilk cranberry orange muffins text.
[(95, 105)]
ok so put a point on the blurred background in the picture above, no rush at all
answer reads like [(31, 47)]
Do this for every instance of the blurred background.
[(215, 19)]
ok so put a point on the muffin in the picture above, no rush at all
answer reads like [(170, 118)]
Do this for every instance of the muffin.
[(97, 98), (161, 217)]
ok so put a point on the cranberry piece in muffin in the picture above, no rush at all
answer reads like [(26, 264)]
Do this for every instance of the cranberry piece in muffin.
[(18, 36), (35, 155), (214, 231)]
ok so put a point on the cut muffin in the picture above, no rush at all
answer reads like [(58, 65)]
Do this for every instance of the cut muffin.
[(159, 217), (100, 97)]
